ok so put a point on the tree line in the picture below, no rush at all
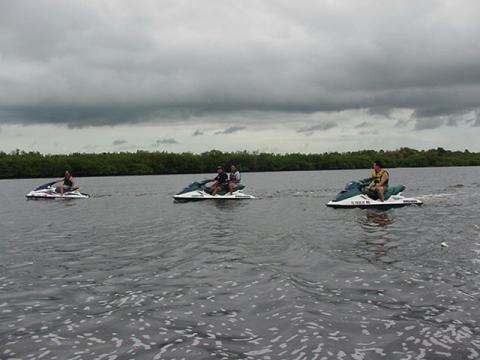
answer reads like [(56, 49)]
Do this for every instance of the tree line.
[(20, 164)]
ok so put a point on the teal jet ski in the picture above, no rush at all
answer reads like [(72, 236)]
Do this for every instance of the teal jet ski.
[(198, 190), (356, 194)]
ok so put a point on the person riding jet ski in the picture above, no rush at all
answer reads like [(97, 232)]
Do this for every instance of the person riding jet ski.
[(373, 192), (379, 180), (234, 178), (67, 185), (220, 181), (51, 190)]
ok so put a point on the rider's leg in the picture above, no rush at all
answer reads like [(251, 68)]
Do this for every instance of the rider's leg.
[(380, 192)]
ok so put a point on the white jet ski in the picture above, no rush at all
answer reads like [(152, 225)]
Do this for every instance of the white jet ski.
[(49, 191), (199, 191), (357, 195)]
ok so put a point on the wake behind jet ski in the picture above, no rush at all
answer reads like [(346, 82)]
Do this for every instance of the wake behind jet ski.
[(356, 194), (224, 187)]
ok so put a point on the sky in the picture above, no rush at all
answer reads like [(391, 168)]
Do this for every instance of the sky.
[(277, 76)]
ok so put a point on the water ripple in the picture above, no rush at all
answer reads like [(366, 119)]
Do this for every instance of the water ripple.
[(130, 274)]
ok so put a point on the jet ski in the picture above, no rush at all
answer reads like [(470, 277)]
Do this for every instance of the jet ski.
[(49, 191), (356, 194), (198, 190)]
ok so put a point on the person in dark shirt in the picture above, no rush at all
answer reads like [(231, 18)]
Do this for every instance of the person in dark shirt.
[(220, 181), (67, 183)]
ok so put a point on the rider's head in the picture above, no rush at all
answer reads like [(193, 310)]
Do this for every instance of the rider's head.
[(233, 168), (67, 173), (377, 165), (219, 169)]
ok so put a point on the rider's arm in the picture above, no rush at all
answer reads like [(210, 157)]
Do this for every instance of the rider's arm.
[(365, 181), (384, 179)]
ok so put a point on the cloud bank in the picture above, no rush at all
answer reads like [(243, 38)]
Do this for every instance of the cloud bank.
[(166, 141), (121, 62), (326, 125), (230, 130)]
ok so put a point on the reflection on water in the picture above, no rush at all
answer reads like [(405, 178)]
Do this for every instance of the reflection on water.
[(128, 274), (373, 244), (375, 218)]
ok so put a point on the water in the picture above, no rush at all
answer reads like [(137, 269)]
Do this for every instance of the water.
[(128, 274)]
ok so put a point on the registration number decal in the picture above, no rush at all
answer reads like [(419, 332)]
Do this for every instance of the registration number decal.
[(361, 202)]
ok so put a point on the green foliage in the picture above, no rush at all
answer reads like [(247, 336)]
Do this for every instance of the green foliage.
[(20, 164)]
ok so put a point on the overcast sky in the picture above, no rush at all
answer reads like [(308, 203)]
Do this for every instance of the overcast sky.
[(282, 76)]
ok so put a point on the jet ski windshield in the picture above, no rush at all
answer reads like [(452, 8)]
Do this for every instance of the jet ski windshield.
[(45, 186), (353, 188), (196, 185)]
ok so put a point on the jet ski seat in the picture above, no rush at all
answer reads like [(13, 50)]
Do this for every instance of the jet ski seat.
[(392, 190), (224, 191)]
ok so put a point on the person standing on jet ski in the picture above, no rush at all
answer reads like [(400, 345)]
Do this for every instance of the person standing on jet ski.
[(221, 181), (234, 178), (68, 183), (379, 180)]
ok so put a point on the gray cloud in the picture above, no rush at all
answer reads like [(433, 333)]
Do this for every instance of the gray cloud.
[(166, 141), (230, 130), (119, 142), (363, 124), (402, 123), (81, 68), (380, 111), (452, 121), (428, 123), (323, 126), (197, 133), (477, 118)]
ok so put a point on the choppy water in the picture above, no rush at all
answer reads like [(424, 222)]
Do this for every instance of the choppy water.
[(128, 274)]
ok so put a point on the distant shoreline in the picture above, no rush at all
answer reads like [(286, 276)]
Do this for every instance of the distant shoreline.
[(23, 165)]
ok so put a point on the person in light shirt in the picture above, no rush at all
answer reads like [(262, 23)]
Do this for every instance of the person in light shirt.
[(234, 178)]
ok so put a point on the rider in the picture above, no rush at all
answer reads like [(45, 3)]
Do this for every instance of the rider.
[(68, 183), (234, 179), (221, 181), (379, 180)]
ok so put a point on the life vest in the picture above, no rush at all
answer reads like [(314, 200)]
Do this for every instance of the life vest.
[(67, 181), (377, 177)]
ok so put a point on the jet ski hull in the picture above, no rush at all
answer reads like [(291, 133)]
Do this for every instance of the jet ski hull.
[(198, 195), (51, 194), (199, 191), (363, 201)]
